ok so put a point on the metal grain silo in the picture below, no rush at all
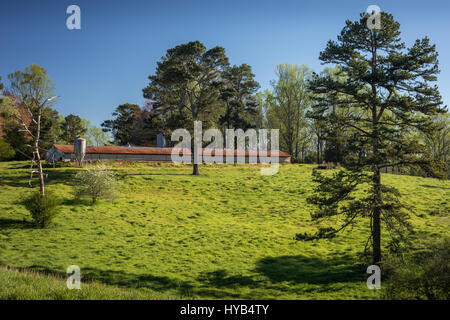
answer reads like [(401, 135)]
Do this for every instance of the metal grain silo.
[(79, 148)]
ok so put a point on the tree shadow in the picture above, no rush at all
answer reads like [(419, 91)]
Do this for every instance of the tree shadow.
[(434, 187), (59, 176), (220, 279), (273, 273), (156, 174), (54, 177), (122, 279), (311, 270), (6, 223), (74, 201), (284, 272)]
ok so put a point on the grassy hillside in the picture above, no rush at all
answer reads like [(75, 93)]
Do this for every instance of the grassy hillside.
[(31, 285), (228, 233)]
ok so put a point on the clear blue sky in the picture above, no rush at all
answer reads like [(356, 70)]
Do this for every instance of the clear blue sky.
[(107, 62)]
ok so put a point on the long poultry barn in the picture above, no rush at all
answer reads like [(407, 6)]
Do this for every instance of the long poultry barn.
[(60, 152)]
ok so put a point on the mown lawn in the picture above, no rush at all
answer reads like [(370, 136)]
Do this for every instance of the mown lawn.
[(227, 234)]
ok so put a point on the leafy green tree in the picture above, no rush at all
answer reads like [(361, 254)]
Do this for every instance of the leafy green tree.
[(390, 88), (122, 126), (11, 129), (438, 140), (6, 151), (287, 104), (71, 127), (238, 93), (96, 136), (186, 86), (50, 128), (331, 137), (15, 116), (319, 131)]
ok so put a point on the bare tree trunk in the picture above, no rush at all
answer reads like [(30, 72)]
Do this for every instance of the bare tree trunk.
[(37, 154)]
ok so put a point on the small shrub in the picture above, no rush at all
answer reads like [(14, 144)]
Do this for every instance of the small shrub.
[(96, 182), (421, 275), (42, 209)]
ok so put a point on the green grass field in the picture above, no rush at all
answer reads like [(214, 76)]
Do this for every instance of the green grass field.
[(227, 234)]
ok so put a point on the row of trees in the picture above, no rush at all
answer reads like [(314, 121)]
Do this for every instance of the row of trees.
[(309, 130), (314, 124)]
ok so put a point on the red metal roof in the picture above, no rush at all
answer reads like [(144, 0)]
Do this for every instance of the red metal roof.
[(157, 150)]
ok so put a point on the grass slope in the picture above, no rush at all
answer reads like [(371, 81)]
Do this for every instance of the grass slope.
[(227, 234), (31, 285)]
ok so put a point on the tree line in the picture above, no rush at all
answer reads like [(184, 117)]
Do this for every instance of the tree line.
[(192, 83), (229, 97)]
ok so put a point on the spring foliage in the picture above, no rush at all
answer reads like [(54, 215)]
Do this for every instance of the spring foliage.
[(96, 182)]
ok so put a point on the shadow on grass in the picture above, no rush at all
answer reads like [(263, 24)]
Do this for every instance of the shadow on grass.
[(434, 187), (284, 272), (6, 223), (220, 278), (301, 269), (295, 269), (123, 279), (54, 177), (74, 201), (119, 278), (155, 174)]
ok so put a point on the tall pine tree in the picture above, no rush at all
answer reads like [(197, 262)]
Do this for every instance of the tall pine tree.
[(238, 93), (186, 85), (391, 92)]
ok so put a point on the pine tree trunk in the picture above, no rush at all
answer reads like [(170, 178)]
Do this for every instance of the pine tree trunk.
[(376, 219), (318, 150), (376, 214), (195, 171), (195, 159)]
